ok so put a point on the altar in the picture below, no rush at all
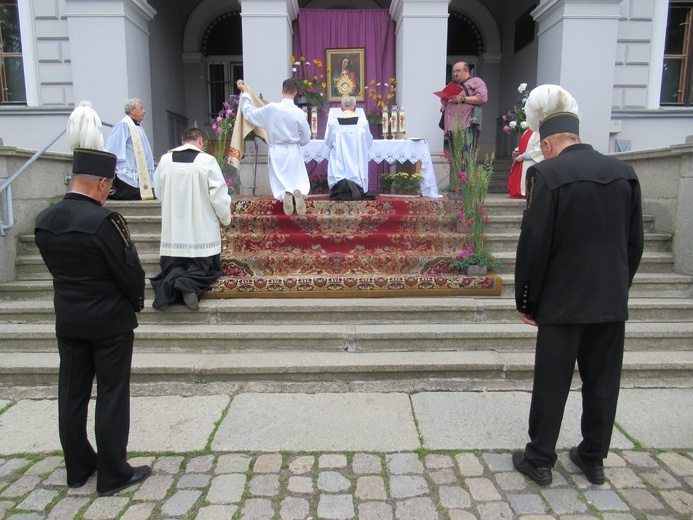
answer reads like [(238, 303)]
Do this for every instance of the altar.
[(390, 151)]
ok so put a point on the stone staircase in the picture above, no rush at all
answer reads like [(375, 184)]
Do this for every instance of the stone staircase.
[(348, 339)]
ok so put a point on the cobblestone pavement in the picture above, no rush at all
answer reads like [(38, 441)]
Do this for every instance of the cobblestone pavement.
[(422, 485)]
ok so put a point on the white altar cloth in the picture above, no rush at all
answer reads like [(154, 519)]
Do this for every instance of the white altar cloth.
[(388, 150)]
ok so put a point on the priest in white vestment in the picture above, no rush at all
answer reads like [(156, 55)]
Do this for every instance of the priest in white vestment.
[(287, 130), (135, 163), (348, 137), (194, 201)]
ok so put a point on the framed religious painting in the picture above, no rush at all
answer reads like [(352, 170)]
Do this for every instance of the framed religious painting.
[(347, 70)]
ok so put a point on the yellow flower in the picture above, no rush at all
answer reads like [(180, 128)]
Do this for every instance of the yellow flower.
[(302, 58), (324, 85), (329, 70), (393, 80), (293, 59)]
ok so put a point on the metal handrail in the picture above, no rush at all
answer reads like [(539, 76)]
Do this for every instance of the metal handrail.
[(7, 185)]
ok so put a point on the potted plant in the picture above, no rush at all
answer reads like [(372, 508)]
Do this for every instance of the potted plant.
[(223, 128), (311, 81), (413, 183), (475, 262), (386, 181), (400, 182)]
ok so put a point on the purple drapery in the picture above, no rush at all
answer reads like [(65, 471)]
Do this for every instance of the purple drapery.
[(372, 29)]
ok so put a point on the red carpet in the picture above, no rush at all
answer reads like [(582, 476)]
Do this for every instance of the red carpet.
[(390, 246)]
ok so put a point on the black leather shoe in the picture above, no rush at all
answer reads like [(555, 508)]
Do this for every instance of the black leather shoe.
[(82, 482), (191, 301), (541, 476), (594, 473), (139, 474)]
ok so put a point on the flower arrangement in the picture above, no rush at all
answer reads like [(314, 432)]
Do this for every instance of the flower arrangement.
[(311, 80), (223, 128), (381, 95), (515, 121), (386, 181), (469, 257), (471, 184)]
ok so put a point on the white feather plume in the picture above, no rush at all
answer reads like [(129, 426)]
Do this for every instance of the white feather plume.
[(545, 100), (84, 128)]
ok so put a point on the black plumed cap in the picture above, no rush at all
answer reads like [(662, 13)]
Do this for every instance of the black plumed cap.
[(94, 162)]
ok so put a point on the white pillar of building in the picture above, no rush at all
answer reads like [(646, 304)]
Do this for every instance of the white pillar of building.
[(267, 43), (109, 49), (421, 43), (577, 50)]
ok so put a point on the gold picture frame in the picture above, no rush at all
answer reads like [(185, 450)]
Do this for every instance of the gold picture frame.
[(347, 73)]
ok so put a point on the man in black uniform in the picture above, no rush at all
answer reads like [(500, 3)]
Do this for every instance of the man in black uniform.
[(580, 245), (99, 288)]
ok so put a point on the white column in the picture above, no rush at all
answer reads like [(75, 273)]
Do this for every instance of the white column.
[(267, 37), (421, 42), (577, 50), (109, 49)]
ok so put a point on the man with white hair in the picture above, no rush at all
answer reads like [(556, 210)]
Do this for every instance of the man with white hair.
[(348, 138), (580, 245), (135, 165)]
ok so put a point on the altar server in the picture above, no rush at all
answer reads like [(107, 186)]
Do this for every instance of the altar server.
[(194, 201), (348, 137), (580, 244), (287, 130)]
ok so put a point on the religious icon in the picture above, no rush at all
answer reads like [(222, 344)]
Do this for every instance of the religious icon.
[(347, 73)]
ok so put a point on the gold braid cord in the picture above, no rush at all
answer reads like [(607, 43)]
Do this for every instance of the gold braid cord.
[(119, 223)]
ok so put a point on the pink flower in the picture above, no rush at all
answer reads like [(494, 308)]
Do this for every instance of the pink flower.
[(219, 119)]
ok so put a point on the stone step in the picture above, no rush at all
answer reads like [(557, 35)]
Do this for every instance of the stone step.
[(645, 285), (32, 267), (400, 337), (346, 311), (304, 366), (499, 241)]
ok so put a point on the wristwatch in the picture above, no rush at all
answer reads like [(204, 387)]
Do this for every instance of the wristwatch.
[(464, 99)]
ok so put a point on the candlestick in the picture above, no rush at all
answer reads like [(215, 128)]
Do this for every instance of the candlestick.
[(385, 120), (314, 121), (393, 122), (402, 123)]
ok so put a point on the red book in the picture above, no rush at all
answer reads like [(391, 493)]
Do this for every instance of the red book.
[(451, 89)]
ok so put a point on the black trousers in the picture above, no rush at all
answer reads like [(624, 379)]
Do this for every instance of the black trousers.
[(598, 349), (180, 274), (110, 359), (123, 191)]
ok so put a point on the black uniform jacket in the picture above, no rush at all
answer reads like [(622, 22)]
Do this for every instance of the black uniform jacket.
[(97, 276), (581, 239)]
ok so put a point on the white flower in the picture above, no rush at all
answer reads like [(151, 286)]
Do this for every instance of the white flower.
[(524, 125), (522, 87), (512, 124), (293, 69)]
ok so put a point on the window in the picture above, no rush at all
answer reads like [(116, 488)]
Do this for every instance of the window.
[(177, 125), (678, 56), (222, 74), (11, 63)]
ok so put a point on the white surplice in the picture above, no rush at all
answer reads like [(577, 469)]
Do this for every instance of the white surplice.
[(348, 144), (288, 130)]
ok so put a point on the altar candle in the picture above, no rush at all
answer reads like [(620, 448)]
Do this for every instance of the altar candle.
[(402, 122), (314, 121), (393, 121), (385, 121), (305, 111)]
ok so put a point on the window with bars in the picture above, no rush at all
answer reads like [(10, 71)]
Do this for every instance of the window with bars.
[(222, 74), (12, 86), (677, 87)]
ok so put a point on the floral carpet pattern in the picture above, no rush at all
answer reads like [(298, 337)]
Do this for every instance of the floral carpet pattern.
[(384, 247)]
